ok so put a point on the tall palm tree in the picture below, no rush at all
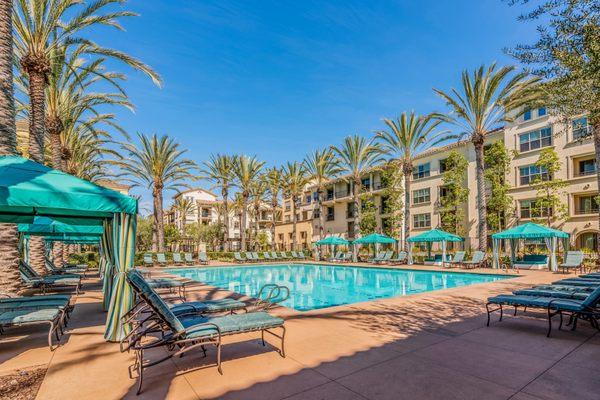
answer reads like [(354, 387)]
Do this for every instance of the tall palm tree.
[(406, 137), (488, 97), (273, 180), (159, 165), (219, 169), (356, 156), (42, 26), (258, 195), (9, 272), (294, 180), (247, 169), (321, 166), (184, 207), (238, 205)]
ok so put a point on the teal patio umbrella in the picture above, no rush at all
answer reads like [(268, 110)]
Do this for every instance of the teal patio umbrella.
[(431, 236), (376, 239), (332, 241)]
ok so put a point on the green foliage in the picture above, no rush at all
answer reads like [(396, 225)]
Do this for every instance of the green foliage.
[(548, 201), (457, 193), (211, 234), (391, 179), (262, 240), (500, 204), (172, 234), (144, 233), (89, 257), (368, 220)]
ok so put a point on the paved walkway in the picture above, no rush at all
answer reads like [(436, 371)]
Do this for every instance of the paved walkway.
[(428, 346)]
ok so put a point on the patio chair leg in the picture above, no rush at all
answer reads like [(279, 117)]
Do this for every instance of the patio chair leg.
[(550, 315), (140, 368), (283, 342), (561, 320), (574, 322), (501, 312), (50, 331), (515, 311), (219, 359), (262, 337)]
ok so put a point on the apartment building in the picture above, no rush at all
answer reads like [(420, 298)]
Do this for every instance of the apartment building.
[(305, 217), (527, 136)]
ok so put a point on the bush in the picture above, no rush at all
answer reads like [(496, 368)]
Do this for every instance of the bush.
[(89, 257)]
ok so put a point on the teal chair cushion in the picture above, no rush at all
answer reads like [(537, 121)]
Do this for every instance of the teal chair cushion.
[(28, 315), (209, 306), (535, 259), (162, 283), (552, 293), (229, 324)]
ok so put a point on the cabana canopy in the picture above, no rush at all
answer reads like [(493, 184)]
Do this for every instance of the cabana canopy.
[(74, 239), (45, 226), (375, 238), (332, 241), (529, 230), (433, 235)]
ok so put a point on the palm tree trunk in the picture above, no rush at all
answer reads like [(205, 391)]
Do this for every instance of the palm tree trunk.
[(294, 223), (54, 126), (319, 206), (243, 222), (37, 254), (225, 195), (256, 225), (481, 199), (357, 204), (37, 99), (273, 222), (158, 219), (10, 281), (407, 177)]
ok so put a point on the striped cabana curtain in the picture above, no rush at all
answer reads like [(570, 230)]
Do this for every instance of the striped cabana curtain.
[(107, 260), (121, 295)]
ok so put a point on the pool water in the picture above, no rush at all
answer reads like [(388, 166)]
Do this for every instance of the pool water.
[(320, 286)]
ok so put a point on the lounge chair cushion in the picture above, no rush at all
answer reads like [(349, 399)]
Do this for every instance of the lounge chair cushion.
[(162, 283), (209, 306), (552, 293), (533, 259), (542, 302), (24, 316), (230, 324)]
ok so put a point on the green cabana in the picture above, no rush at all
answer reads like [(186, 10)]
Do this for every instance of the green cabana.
[(46, 226), (29, 190), (375, 238), (331, 241), (431, 236), (529, 230)]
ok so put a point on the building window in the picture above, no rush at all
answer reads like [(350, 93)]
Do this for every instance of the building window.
[(366, 183), (443, 165), (586, 167), (422, 220), (528, 210), (281, 237), (541, 111), (384, 204), (308, 199), (588, 241), (350, 210), (529, 173), (527, 115), (421, 171), (586, 205), (287, 218), (304, 215), (316, 213), (288, 206), (535, 139), (421, 196), (581, 129), (329, 195), (330, 213)]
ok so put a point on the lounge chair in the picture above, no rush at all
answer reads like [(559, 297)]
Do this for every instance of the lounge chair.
[(376, 257), (590, 282), (238, 257), (457, 260), (337, 257), (294, 255), (532, 261), (274, 255), (301, 255), (189, 259), (346, 257), (249, 256), (593, 275), (401, 258), (161, 259), (54, 300), (148, 260), (203, 258), (65, 269), (177, 259), (386, 257), (33, 280), (585, 309), (255, 256), (573, 260), (553, 292), (477, 261), (284, 256), (51, 315), (182, 333)]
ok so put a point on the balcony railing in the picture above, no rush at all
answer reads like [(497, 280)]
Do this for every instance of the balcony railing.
[(329, 196), (586, 173), (378, 186), (587, 210), (330, 217), (582, 133), (341, 193)]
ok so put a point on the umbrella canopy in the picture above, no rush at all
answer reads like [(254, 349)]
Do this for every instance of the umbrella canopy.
[(375, 238), (45, 226), (332, 240), (28, 188), (530, 230), (73, 239), (435, 235)]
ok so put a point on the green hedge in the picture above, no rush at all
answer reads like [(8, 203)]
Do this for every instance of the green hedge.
[(88, 257)]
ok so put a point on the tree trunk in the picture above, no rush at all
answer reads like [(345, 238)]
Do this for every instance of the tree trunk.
[(357, 205), (481, 199), (319, 206), (37, 131), (225, 195), (158, 218), (243, 221), (294, 223), (407, 172), (54, 127), (10, 281), (37, 254), (256, 225), (596, 133), (273, 222)]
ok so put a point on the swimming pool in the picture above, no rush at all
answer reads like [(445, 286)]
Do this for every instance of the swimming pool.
[(321, 286)]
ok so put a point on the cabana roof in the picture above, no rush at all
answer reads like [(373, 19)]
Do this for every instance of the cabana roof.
[(45, 226), (332, 240), (435, 235), (28, 188), (374, 238), (530, 230)]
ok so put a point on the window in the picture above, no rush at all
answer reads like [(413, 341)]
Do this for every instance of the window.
[(288, 206), (366, 182), (527, 115), (586, 205), (316, 213), (581, 129), (290, 235), (422, 220), (350, 210), (315, 196), (587, 241), (421, 196), (529, 173), (421, 171), (330, 214), (308, 199), (287, 218), (443, 165), (535, 139), (587, 167), (384, 204), (528, 210), (281, 237), (541, 111)]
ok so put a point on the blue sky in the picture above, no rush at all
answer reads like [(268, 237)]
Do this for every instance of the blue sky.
[(278, 79)]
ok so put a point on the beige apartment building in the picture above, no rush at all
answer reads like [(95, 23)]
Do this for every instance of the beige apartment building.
[(527, 135), (305, 218)]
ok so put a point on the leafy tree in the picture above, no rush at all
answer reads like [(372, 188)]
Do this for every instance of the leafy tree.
[(262, 240), (274, 184), (143, 233), (246, 171), (567, 55), (368, 220), (548, 200), (500, 203), (488, 97), (172, 235), (392, 178), (456, 193)]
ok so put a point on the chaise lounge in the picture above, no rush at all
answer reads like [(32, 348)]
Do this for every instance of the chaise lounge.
[(532, 261)]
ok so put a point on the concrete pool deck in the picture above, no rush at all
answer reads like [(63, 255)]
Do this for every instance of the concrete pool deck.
[(432, 345)]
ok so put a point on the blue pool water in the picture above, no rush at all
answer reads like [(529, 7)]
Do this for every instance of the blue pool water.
[(320, 286)]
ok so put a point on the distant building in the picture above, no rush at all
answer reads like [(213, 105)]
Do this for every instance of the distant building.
[(119, 187)]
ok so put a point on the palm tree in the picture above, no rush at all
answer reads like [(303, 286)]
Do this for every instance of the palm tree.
[(159, 165), (43, 26), (184, 207), (9, 272), (356, 156), (246, 170), (220, 171), (258, 194), (488, 98), (294, 180), (273, 180), (238, 205), (405, 138), (321, 166)]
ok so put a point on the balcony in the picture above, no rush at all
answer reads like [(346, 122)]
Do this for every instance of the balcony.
[(349, 214), (341, 193), (582, 133), (586, 172), (329, 196), (378, 186), (587, 210), (330, 217)]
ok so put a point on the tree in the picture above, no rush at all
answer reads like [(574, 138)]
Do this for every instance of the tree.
[(184, 206), (159, 165), (392, 179), (246, 170), (549, 189), (368, 220), (456, 193), (9, 271), (567, 56), (500, 204), (143, 233), (488, 97), (406, 137), (220, 170), (273, 181), (356, 156), (172, 236), (294, 180), (321, 166), (258, 195)]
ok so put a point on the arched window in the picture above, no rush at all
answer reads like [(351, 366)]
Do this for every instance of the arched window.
[(587, 240)]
